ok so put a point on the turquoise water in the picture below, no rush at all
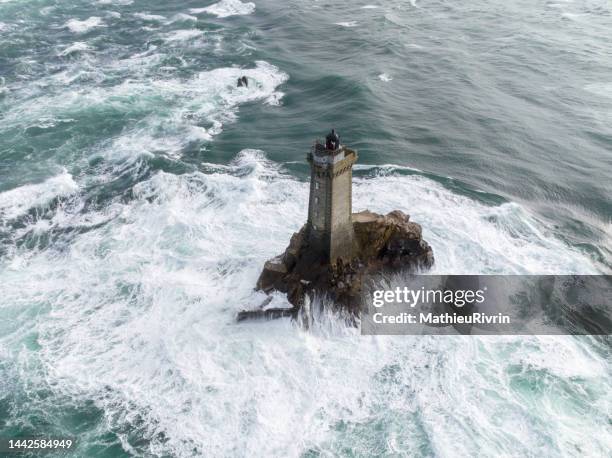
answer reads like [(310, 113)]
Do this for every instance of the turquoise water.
[(141, 192)]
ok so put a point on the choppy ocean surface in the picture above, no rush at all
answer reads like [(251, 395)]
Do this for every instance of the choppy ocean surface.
[(141, 191)]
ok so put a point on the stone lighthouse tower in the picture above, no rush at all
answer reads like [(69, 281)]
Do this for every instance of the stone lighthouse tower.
[(329, 227)]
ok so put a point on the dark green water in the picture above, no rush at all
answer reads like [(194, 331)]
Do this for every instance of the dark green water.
[(141, 192)]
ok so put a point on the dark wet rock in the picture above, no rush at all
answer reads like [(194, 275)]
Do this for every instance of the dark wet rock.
[(267, 314), (384, 243)]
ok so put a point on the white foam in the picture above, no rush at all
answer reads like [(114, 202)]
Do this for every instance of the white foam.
[(180, 17), (385, 77), (469, 237), (184, 35), (76, 47), (86, 25), (369, 7), (141, 322), (47, 9), (347, 24), (385, 168), (227, 8), (194, 109), (18, 201), (149, 17), (573, 16)]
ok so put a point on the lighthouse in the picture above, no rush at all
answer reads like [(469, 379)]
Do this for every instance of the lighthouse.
[(329, 226), (336, 250)]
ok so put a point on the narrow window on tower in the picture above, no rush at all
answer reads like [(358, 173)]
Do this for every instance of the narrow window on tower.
[(317, 185), (316, 200)]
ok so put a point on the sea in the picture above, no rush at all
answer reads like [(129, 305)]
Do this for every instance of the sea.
[(141, 192)]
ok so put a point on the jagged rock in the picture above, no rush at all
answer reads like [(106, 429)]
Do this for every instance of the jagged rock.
[(383, 243), (268, 314)]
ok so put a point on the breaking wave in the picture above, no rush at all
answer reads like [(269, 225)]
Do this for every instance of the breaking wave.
[(205, 102), (121, 278), (16, 202), (139, 319), (227, 8), (85, 25)]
